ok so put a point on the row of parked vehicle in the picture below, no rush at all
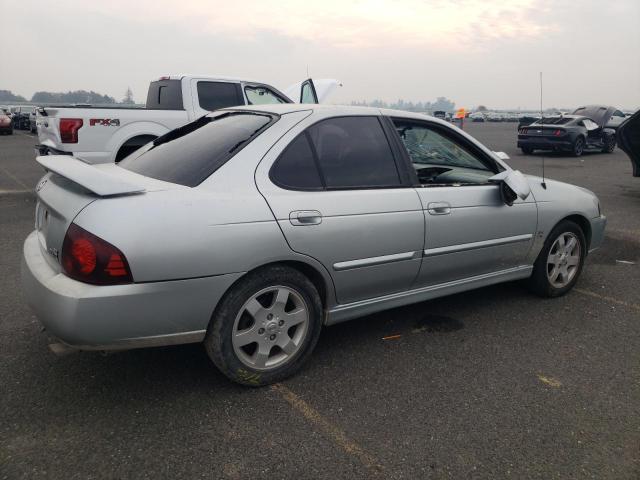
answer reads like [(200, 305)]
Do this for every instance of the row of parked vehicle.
[(22, 117)]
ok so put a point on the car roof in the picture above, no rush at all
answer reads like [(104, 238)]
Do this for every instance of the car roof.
[(334, 110)]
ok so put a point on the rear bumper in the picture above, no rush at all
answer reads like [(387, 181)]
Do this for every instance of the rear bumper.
[(598, 225), (90, 317), (545, 143), (89, 157)]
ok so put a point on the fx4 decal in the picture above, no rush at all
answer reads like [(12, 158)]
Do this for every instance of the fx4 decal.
[(105, 122)]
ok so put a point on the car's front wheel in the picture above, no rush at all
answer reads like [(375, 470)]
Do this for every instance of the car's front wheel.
[(265, 327), (560, 261)]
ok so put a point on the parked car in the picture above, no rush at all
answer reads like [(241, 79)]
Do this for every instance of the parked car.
[(477, 117), (20, 117), (629, 140), (32, 120), (441, 114), (6, 125), (107, 135), (251, 228), (569, 133), (609, 116)]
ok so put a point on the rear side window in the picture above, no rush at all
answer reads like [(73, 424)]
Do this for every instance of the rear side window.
[(215, 95), (353, 152), (296, 168), (165, 95), (190, 154)]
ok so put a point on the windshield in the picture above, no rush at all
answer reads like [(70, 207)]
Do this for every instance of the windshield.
[(190, 154)]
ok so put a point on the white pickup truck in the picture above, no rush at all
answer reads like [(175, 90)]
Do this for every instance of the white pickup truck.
[(108, 134)]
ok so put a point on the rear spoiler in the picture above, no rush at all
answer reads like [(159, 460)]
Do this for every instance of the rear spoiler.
[(88, 176)]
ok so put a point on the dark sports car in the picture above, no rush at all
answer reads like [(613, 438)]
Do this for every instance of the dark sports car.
[(568, 133)]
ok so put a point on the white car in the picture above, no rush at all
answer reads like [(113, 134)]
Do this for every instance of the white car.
[(109, 134)]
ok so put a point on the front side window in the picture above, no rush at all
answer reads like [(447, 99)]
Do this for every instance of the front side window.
[(262, 96), (215, 95), (440, 159), (190, 154)]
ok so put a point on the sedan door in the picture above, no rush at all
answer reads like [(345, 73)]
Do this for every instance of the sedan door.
[(469, 231), (340, 196)]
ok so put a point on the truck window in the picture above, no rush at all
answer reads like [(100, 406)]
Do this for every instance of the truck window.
[(165, 95), (215, 95), (190, 154)]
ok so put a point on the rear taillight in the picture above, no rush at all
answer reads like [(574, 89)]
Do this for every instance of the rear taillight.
[(90, 259), (558, 133), (69, 129)]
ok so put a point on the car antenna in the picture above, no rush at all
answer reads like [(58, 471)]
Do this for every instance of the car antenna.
[(544, 184)]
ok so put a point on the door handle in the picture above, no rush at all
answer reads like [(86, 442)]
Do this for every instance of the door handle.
[(305, 217), (439, 208)]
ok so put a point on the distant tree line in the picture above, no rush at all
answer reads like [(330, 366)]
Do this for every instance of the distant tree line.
[(77, 96), (441, 103)]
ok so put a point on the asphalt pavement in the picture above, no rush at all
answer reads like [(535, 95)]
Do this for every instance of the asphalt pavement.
[(494, 383)]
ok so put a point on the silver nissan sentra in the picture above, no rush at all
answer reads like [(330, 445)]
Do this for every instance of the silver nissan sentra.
[(251, 228)]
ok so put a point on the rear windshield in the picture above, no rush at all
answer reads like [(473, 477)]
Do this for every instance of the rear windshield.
[(165, 95), (190, 154), (554, 121)]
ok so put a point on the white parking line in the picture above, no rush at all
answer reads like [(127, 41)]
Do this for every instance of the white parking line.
[(14, 178)]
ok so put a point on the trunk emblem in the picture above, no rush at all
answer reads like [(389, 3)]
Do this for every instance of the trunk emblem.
[(41, 184)]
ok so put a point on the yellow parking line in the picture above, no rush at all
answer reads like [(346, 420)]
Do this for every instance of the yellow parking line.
[(14, 178), (608, 299), (330, 430)]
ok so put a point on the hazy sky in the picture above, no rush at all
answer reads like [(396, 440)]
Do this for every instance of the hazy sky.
[(472, 51)]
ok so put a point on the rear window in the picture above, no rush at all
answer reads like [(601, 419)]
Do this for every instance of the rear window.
[(165, 95), (554, 121), (190, 154)]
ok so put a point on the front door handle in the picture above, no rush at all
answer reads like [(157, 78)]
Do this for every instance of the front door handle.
[(439, 208), (305, 217)]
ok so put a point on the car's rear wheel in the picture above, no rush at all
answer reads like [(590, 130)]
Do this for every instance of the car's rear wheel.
[(527, 150), (560, 261), (609, 144), (265, 327), (578, 147)]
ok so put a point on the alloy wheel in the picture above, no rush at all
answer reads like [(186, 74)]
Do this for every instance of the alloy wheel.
[(563, 260), (270, 328)]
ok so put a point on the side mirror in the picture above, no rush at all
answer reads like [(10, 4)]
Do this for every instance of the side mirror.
[(513, 184)]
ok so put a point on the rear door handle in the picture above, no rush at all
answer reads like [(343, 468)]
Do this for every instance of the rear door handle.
[(305, 217), (439, 208)]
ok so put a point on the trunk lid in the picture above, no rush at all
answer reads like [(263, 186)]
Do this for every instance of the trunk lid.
[(70, 186)]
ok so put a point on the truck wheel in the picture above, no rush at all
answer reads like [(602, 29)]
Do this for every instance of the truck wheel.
[(527, 150), (560, 261), (265, 327), (578, 147)]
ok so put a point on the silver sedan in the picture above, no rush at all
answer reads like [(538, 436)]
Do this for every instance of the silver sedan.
[(251, 228)]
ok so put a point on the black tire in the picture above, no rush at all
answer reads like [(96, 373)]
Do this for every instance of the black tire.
[(609, 144), (539, 282), (218, 341), (527, 150), (578, 147)]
